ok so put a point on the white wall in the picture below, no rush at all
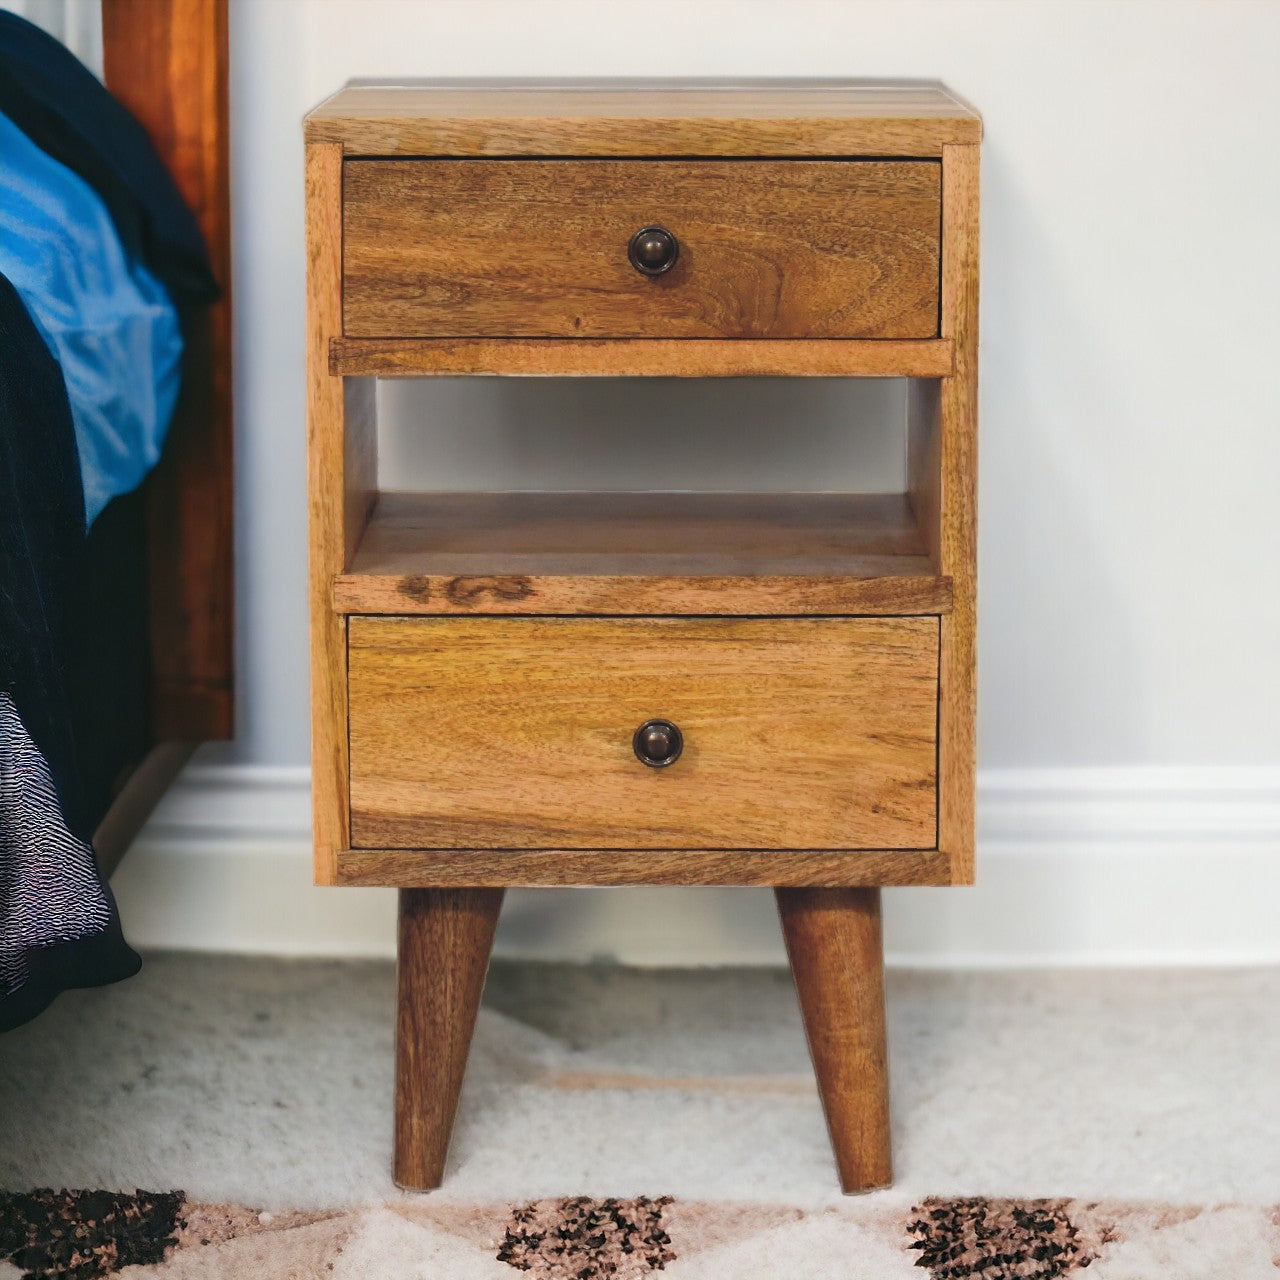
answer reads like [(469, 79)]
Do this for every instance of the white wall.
[(1130, 429), (1130, 321)]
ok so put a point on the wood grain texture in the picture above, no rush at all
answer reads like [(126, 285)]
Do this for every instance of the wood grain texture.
[(516, 733), (957, 469), (834, 943), (341, 464), (641, 553), (642, 357), (756, 595), (445, 937), (167, 61), (550, 868), (359, 462), (924, 463), (487, 751), (538, 248), (654, 118)]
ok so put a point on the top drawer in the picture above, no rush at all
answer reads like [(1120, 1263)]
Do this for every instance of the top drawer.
[(539, 248)]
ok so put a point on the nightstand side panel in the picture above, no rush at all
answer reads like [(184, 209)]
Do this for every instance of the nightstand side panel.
[(342, 482), (958, 463)]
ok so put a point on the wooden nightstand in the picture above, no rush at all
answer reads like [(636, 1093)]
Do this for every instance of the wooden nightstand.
[(570, 689)]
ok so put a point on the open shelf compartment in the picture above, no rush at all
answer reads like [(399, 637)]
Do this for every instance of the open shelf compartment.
[(638, 553)]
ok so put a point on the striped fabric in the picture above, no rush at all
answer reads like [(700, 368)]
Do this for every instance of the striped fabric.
[(49, 887)]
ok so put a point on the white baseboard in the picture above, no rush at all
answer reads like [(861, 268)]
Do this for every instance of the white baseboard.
[(1131, 866)]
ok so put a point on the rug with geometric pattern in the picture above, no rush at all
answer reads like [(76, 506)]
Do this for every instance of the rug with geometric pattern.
[(83, 1235)]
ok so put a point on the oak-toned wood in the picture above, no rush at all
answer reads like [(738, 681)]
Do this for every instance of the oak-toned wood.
[(834, 944), (166, 60), (957, 469), (644, 118), (549, 868), (799, 733), (826, 752), (752, 595), (136, 801), (642, 357), (342, 478), (359, 462), (768, 249), (924, 463), (641, 553), (446, 936)]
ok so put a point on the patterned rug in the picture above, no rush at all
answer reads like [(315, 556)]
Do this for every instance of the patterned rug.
[(621, 1124), (78, 1235)]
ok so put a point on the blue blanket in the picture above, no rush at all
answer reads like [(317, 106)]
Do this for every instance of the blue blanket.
[(107, 320)]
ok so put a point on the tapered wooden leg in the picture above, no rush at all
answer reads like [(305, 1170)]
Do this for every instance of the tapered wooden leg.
[(837, 959), (445, 939)]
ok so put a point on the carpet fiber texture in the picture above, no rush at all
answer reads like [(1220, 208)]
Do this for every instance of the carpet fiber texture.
[(626, 1123)]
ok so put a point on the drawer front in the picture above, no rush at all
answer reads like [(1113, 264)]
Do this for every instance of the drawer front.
[(539, 248), (816, 733)]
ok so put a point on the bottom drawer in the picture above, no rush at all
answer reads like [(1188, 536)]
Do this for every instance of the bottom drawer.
[(796, 733)]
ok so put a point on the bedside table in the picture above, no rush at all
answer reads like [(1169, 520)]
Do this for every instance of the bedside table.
[(668, 688)]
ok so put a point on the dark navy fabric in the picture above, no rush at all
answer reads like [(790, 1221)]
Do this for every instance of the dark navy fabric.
[(74, 658), (73, 666), (63, 107)]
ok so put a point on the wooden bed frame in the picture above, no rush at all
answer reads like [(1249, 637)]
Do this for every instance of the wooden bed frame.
[(166, 60)]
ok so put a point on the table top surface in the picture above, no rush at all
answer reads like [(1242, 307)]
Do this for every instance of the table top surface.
[(643, 117)]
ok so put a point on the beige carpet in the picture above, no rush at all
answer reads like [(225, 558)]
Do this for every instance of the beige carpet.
[(627, 1123)]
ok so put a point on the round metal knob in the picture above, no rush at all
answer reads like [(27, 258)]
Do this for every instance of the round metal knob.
[(658, 743), (653, 250)]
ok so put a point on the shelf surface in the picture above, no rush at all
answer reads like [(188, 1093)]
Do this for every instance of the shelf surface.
[(588, 553), (643, 117)]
